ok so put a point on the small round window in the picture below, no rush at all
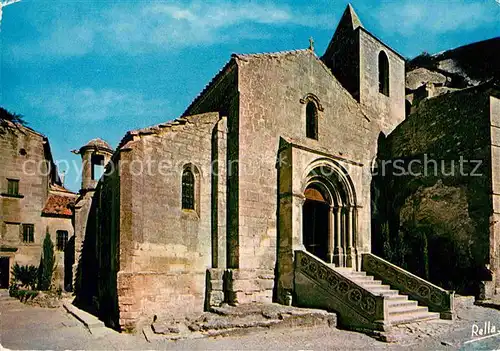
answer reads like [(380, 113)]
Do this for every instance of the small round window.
[(23, 152)]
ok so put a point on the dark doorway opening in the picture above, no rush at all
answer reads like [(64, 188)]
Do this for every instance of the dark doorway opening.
[(4, 272), (315, 226)]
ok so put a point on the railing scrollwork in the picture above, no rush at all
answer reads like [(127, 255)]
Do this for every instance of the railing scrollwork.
[(366, 304), (436, 298)]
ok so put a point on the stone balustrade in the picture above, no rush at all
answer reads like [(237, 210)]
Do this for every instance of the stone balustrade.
[(356, 306), (428, 294)]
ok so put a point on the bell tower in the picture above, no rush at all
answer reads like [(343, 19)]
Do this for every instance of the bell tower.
[(95, 156), (372, 72)]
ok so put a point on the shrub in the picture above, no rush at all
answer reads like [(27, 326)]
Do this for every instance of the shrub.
[(13, 288), (26, 275), (25, 295), (47, 264)]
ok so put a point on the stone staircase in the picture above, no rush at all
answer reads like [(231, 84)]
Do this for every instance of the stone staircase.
[(378, 297), (401, 309)]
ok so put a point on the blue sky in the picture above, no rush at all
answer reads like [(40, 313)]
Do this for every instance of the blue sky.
[(80, 69)]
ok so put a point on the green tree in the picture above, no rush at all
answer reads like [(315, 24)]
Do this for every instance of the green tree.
[(47, 264)]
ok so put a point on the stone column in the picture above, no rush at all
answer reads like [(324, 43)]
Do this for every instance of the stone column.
[(357, 258), (331, 234), (338, 252), (299, 204), (349, 235), (87, 170)]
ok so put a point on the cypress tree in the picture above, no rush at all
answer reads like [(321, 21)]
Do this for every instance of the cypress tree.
[(47, 263)]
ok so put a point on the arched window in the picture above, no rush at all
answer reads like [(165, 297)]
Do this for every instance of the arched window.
[(383, 73), (187, 190), (311, 120)]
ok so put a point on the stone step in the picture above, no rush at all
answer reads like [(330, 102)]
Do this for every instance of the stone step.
[(400, 310), (397, 297), (350, 271), (413, 317), (369, 282), (383, 291), (377, 286), (402, 302), (357, 273), (361, 278)]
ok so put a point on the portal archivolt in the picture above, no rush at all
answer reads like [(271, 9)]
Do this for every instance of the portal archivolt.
[(329, 214)]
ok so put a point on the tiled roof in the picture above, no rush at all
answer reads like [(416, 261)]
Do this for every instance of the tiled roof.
[(58, 205)]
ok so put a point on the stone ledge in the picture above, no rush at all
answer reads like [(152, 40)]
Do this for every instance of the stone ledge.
[(230, 320), (91, 322)]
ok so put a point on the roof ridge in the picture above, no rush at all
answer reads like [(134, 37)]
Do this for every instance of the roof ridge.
[(355, 21), (272, 53), (208, 85), (179, 121)]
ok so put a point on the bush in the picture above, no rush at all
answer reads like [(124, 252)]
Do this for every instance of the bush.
[(47, 264), (26, 295), (13, 288), (26, 275)]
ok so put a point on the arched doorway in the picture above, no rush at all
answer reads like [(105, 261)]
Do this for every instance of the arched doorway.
[(316, 213), (329, 214)]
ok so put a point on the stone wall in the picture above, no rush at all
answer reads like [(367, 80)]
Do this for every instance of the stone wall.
[(23, 156), (435, 221), (268, 111), (389, 111), (222, 95), (64, 259), (494, 250), (165, 250)]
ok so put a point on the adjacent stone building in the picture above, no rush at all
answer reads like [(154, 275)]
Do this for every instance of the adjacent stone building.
[(33, 202), (439, 218)]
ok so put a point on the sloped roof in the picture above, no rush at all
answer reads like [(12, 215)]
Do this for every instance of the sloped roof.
[(272, 54), (351, 17), (59, 206), (61, 188), (156, 129), (186, 117)]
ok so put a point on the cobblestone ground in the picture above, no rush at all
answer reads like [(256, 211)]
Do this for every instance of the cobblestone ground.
[(27, 327)]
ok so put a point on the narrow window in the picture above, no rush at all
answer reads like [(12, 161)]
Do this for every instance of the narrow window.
[(28, 233), (62, 239), (97, 166), (383, 73), (187, 190), (311, 120), (12, 187)]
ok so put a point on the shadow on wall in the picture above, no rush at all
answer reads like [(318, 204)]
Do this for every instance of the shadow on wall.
[(96, 280), (86, 273), (435, 227), (69, 260)]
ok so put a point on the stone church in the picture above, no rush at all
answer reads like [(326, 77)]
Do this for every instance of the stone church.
[(261, 191)]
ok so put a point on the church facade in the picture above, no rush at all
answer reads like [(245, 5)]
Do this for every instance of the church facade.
[(259, 192)]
